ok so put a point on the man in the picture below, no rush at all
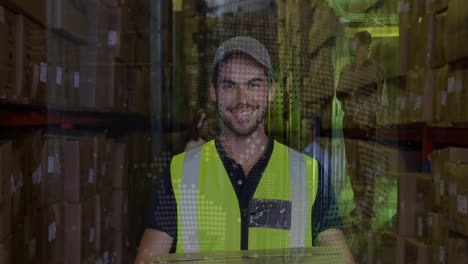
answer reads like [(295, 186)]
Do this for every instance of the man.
[(359, 90), (242, 190)]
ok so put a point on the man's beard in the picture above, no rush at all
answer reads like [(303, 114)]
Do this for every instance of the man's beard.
[(229, 124)]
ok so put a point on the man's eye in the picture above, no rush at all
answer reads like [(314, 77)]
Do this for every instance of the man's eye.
[(228, 86), (254, 85)]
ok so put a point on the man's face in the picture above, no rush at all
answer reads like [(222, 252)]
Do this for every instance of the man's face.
[(242, 95)]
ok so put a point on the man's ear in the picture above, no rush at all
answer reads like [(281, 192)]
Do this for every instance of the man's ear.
[(272, 91), (212, 92)]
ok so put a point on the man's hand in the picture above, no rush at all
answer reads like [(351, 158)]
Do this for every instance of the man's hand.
[(153, 243), (336, 238)]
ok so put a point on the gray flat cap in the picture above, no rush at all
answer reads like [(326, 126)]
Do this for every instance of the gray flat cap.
[(245, 45)]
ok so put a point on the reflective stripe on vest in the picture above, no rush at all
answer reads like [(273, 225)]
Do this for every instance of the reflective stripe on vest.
[(194, 233), (299, 199), (188, 201)]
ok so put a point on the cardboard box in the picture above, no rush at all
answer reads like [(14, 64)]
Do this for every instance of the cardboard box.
[(119, 210), (457, 31), (138, 90), (421, 97), (119, 251), (456, 96), (392, 249), (72, 74), (119, 166), (7, 49), (421, 227), (457, 249), (54, 169), (73, 181), (436, 229), (53, 239), (88, 235), (56, 69), (415, 196), (37, 180), (456, 208), (434, 6), (34, 9), (106, 203), (72, 226), (5, 251), (439, 252), (440, 40), (96, 60), (417, 252), (33, 233), (419, 44), (98, 160), (31, 68), (70, 18), (6, 154), (440, 96)]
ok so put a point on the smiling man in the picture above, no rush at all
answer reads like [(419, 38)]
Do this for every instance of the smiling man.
[(242, 190)]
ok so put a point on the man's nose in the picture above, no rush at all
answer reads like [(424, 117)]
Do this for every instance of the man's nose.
[(241, 93)]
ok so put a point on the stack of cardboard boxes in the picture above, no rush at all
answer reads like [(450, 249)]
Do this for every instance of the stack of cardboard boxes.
[(80, 59), (431, 217), (63, 199), (431, 63), (449, 170)]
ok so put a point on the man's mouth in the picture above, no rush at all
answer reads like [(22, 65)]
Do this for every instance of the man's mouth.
[(242, 114)]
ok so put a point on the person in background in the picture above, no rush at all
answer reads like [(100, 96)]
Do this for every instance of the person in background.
[(359, 91), (243, 190)]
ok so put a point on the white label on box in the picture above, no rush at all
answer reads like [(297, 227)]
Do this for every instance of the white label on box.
[(52, 232), (32, 248), (76, 79), (91, 235), (43, 73), (420, 227), (451, 85), (418, 102), (429, 221), (2, 14), (106, 257), (112, 38), (442, 254), (59, 76), (452, 189), (461, 204), (91, 176), (50, 164), (443, 98), (441, 187)]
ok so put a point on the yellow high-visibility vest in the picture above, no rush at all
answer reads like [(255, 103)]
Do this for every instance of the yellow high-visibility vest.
[(208, 213)]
